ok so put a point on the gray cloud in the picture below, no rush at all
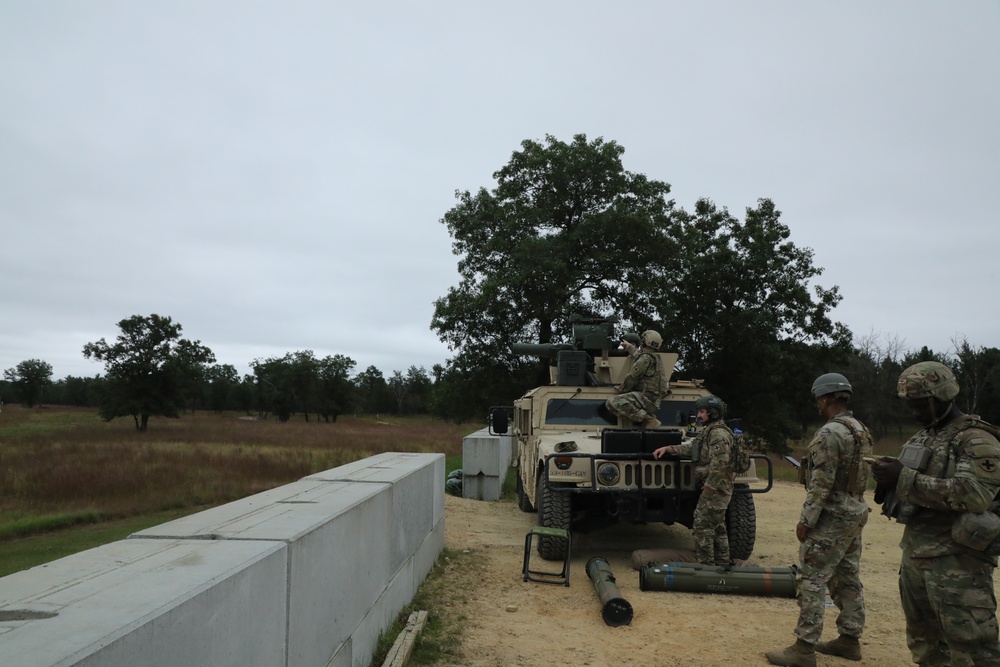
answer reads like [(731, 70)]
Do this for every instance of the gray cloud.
[(272, 176)]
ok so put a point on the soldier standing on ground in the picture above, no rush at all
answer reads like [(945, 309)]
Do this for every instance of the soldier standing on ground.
[(829, 529), (644, 386), (942, 488), (711, 451)]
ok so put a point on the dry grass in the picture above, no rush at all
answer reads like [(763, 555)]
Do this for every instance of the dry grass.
[(62, 466)]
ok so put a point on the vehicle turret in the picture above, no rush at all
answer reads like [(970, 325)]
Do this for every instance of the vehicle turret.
[(595, 356)]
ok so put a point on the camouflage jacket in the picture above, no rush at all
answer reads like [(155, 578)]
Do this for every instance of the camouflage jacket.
[(646, 377), (837, 475), (711, 451), (962, 474)]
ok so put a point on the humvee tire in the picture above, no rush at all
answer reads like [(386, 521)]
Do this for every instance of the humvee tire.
[(554, 511), (741, 524)]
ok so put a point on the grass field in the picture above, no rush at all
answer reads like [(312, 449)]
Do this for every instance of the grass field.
[(69, 481)]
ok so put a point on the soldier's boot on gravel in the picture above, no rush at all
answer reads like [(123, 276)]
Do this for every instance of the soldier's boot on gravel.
[(843, 646), (650, 422), (799, 654)]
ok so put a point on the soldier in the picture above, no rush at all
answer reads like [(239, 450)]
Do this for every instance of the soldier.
[(829, 529), (711, 450), (942, 487), (645, 385)]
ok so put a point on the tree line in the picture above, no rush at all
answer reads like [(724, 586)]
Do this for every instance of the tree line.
[(151, 370), (566, 231)]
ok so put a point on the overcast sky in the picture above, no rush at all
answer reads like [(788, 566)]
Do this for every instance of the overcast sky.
[(272, 175)]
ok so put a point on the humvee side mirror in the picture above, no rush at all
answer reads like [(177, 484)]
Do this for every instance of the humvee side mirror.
[(499, 423)]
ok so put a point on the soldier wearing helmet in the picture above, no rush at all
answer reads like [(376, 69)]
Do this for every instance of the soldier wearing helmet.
[(711, 450), (944, 483), (829, 528), (645, 385)]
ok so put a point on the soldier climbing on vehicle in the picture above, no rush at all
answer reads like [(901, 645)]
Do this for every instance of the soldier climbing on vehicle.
[(644, 386)]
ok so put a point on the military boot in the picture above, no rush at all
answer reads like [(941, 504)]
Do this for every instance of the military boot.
[(799, 654), (650, 422), (843, 646)]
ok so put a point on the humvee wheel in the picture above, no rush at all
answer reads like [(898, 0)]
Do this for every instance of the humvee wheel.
[(523, 502), (553, 512), (741, 524)]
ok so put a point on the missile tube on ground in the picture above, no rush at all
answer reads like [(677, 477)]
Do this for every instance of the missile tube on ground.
[(615, 610)]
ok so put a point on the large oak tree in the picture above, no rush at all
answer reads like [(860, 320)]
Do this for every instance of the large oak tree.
[(30, 378), (568, 230), (149, 369)]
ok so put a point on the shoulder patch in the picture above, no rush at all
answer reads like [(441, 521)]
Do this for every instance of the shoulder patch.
[(982, 449)]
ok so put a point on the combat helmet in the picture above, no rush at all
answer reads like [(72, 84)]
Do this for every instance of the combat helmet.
[(829, 383), (713, 405), (652, 339), (926, 379)]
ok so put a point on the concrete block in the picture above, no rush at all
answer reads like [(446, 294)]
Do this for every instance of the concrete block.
[(481, 487), (137, 603), (485, 461), (417, 494), (485, 453), (342, 658), (339, 546)]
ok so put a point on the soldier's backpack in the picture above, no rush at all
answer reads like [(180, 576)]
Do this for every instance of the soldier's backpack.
[(741, 453)]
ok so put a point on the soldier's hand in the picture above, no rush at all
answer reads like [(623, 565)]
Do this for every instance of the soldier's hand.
[(661, 451), (800, 531), (880, 491), (886, 471)]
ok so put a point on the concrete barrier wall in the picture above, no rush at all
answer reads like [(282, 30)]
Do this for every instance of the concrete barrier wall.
[(485, 461), (304, 575)]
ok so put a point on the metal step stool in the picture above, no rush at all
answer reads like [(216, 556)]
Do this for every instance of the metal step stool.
[(543, 576)]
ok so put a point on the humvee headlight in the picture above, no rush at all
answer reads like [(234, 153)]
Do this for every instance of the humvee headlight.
[(564, 462), (608, 474)]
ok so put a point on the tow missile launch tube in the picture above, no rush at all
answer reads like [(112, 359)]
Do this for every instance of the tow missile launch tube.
[(695, 578), (615, 610)]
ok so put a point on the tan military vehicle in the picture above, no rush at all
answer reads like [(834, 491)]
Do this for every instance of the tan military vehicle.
[(580, 468)]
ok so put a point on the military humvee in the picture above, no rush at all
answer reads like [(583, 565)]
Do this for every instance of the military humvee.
[(580, 468)]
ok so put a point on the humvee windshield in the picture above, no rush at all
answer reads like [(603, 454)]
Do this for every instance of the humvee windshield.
[(591, 412)]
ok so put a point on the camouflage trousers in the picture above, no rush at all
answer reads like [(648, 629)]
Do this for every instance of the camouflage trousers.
[(711, 540), (631, 405), (950, 610), (830, 558)]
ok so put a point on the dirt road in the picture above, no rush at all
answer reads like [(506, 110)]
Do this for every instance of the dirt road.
[(511, 622)]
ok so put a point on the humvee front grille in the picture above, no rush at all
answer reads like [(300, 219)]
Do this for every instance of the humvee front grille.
[(636, 474)]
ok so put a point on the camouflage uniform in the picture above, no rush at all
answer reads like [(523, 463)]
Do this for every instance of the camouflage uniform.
[(642, 388), (835, 513), (711, 450), (946, 588)]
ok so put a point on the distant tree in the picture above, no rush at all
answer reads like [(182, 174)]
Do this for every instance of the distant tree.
[(373, 392), (978, 371), (223, 381), (925, 354), (78, 391), (421, 387), (277, 389), (411, 391), (873, 369), (149, 370), (243, 394), (337, 394), (300, 383), (30, 379)]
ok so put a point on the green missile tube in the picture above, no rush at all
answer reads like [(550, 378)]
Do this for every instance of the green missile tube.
[(615, 610), (697, 578)]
